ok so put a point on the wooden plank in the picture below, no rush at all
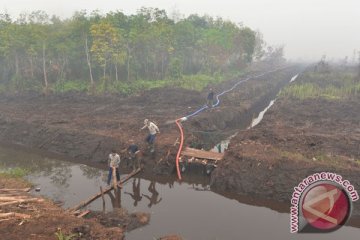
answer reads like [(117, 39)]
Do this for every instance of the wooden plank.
[(192, 152), (21, 201), (91, 199), (14, 189), (83, 213), (114, 179)]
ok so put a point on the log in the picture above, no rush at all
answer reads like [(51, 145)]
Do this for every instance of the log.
[(192, 152), (83, 213), (114, 179), (13, 214), (21, 201), (12, 198), (102, 196), (12, 195), (91, 199), (14, 189), (5, 219)]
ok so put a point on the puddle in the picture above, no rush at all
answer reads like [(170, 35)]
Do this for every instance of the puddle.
[(191, 210)]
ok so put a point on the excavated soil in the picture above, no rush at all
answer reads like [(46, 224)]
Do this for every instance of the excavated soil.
[(295, 139), (84, 129)]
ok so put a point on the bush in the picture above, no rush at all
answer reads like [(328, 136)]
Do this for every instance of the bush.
[(66, 86)]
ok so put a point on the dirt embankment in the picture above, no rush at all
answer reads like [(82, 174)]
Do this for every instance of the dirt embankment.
[(295, 139), (45, 219), (85, 128)]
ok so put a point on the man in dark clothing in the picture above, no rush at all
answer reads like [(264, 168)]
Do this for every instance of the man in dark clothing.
[(210, 98), (134, 153)]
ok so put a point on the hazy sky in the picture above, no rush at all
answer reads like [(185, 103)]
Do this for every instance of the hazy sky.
[(307, 28)]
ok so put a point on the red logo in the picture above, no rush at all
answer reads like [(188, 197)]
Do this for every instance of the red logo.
[(326, 207)]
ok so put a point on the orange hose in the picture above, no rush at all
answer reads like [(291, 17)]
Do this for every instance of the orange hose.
[(180, 148)]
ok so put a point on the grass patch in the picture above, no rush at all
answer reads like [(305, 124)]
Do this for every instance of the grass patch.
[(106, 85), (192, 82), (67, 86), (14, 172), (61, 236), (331, 86)]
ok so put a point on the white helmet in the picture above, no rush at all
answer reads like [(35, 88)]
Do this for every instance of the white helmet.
[(146, 121)]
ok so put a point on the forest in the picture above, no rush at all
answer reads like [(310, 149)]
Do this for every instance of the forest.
[(118, 53)]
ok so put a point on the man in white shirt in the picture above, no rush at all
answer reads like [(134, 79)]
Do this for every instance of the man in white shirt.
[(153, 130), (114, 162)]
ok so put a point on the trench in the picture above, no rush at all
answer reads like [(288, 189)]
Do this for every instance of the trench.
[(250, 118), (187, 208)]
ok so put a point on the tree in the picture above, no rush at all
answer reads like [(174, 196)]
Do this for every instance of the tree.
[(107, 45)]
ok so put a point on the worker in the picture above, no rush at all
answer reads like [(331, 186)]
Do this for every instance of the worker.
[(114, 162), (134, 156), (210, 99), (153, 130)]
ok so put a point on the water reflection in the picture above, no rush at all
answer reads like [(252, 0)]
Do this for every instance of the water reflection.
[(154, 195), (201, 188), (136, 191), (200, 214), (115, 198), (59, 175), (90, 172)]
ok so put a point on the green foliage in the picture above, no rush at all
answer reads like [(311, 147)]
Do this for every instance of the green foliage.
[(66, 86), (145, 49), (199, 82), (61, 236), (14, 172), (128, 88), (334, 85)]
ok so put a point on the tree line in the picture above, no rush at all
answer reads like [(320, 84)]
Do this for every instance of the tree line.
[(39, 52)]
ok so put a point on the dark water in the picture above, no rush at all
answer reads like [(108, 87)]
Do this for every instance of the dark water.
[(176, 208)]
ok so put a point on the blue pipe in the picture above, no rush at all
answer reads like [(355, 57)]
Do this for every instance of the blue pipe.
[(226, 91)]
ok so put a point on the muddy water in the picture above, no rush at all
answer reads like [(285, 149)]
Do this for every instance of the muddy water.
[(183, 208), (257, 120)]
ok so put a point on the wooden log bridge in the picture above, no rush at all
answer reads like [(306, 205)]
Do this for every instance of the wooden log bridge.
[(192, 152), (91, 199)]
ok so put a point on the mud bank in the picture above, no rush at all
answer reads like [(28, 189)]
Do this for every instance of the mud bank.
[(45, 219), (295, 139), (85, 128)]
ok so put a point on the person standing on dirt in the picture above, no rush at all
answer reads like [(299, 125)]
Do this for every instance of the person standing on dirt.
[(134, 152), (153, 130), (114, 162), (210, 99)]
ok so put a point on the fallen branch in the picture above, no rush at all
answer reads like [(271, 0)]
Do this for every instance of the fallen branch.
[(15, 189), (12, 194), (83, 213), (91, 199), (13, 198), (5, 219)]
